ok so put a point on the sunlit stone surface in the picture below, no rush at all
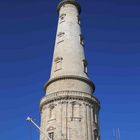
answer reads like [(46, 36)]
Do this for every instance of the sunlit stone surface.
[(69, 111)]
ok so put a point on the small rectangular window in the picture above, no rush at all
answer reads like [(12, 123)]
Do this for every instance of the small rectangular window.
[(60, 37), (51, 112), (95, 134), (81, 40), (95, 137), (62, 18), (85, 66), (78, 18), (94, 116), (58, 63)]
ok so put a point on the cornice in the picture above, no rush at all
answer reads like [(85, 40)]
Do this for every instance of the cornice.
[(69, 95), (69, 2), (89, 82)]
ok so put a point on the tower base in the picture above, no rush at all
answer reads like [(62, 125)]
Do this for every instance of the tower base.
[(69, 115)]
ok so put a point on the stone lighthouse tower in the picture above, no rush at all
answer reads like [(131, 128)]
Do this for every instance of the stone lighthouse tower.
[(69, 111)]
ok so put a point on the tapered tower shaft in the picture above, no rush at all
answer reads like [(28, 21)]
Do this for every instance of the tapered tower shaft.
[(69, 43), (69, 58)]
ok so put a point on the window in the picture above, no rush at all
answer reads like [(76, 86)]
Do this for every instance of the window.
[(95, 134), (51, 111), (85, 66), (62, 18), (60, 37), (58, 63), (51, 135), (81, 40), (94, 116), (78, 17)]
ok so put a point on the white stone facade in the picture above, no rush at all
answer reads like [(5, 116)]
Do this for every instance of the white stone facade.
[(68, 49), (69, 111)]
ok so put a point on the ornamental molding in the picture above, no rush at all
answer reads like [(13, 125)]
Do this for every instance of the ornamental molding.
[(51, 106), (58, 59), (75, 103), (65, 96), (51, 128), (65, 77), (63, 2)]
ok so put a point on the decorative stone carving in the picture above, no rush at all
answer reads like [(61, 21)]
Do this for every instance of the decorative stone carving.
[(50, 128)]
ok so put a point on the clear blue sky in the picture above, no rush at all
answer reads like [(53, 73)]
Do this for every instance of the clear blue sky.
[(111, 29)]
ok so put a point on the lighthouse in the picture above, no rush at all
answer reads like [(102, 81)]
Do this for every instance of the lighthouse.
[(69, 110)]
